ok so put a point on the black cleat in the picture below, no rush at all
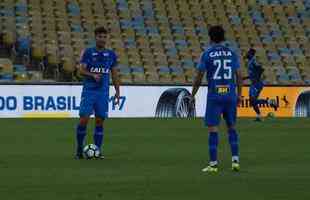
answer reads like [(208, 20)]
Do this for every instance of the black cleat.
[(258, 119)]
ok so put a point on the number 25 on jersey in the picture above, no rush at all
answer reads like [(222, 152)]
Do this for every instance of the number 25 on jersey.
[(226, 73)]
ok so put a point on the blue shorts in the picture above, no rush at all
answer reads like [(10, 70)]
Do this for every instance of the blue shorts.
[(94, 102), (255, 89), (218, 107)]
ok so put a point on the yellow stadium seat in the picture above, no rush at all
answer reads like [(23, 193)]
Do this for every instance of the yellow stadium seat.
[(35, 76), (8, 38), (52, 59), (66, 51), (37, 52), (152, 78), (126, 78), (179, 79), (139, 78), (64, 37), (68, 65), (6, 66)]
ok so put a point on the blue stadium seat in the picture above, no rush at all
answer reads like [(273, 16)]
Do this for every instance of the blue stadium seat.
[(188, 64), (172, 52), (76, 28), (6, 77), (7, 12), (125, 23), (124, 70), (273, 56), (23, 45), (73, 9), (163, 70), (235, 20), (266, 39), (137, 69), (176, 70), (19, 68)]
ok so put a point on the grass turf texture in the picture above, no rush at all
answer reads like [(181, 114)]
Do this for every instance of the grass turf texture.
[(152, 159)]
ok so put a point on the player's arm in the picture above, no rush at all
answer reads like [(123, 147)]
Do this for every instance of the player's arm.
[(197, 81), (84, 72), (199, 74), (82, 67), (239, 83), (260, 69), (116, 83)]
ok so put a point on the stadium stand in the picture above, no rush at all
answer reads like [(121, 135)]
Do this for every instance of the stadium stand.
[(157, 41)]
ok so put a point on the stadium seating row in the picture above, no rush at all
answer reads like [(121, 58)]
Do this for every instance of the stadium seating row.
[(157, 41)]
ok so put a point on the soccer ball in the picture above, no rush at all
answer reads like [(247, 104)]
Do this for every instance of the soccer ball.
[(271, 115), (91, 151)]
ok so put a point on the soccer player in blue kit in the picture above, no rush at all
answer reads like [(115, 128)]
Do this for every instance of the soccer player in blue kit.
[(224, 92), (255, 72), (96, 65)]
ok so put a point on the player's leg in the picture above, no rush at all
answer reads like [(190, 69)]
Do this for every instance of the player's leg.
[(212, 120), (254, 93), (230, 115), (86, 108), (98, 132), (101, 112), (255, 105), (80, 136), (259, 87), (233, 138), (271, 102)]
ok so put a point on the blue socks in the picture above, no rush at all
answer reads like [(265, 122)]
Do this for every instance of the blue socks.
[(234, 144), (213, 142), (80, 136), (98, 136)]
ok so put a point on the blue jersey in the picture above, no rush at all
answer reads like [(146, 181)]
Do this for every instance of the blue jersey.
[(255, 71), (221, 63), (100, 62)]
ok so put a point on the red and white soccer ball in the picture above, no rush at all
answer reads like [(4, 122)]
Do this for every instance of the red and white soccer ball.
[(91, 151)]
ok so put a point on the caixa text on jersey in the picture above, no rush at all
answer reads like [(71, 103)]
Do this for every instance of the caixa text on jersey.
[(99, 70)]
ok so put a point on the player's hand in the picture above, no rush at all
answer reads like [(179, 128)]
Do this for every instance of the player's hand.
[(116, 98), (192, 100), (97, 77)]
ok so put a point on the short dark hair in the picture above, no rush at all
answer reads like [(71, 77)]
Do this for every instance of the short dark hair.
[(252, 51), (217, 34), (100, 30)]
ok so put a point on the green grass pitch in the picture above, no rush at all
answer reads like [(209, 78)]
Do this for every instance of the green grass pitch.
[(153, 159)]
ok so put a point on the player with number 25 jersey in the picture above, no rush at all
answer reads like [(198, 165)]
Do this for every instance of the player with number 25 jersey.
[(221, 64), (224, 90)]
